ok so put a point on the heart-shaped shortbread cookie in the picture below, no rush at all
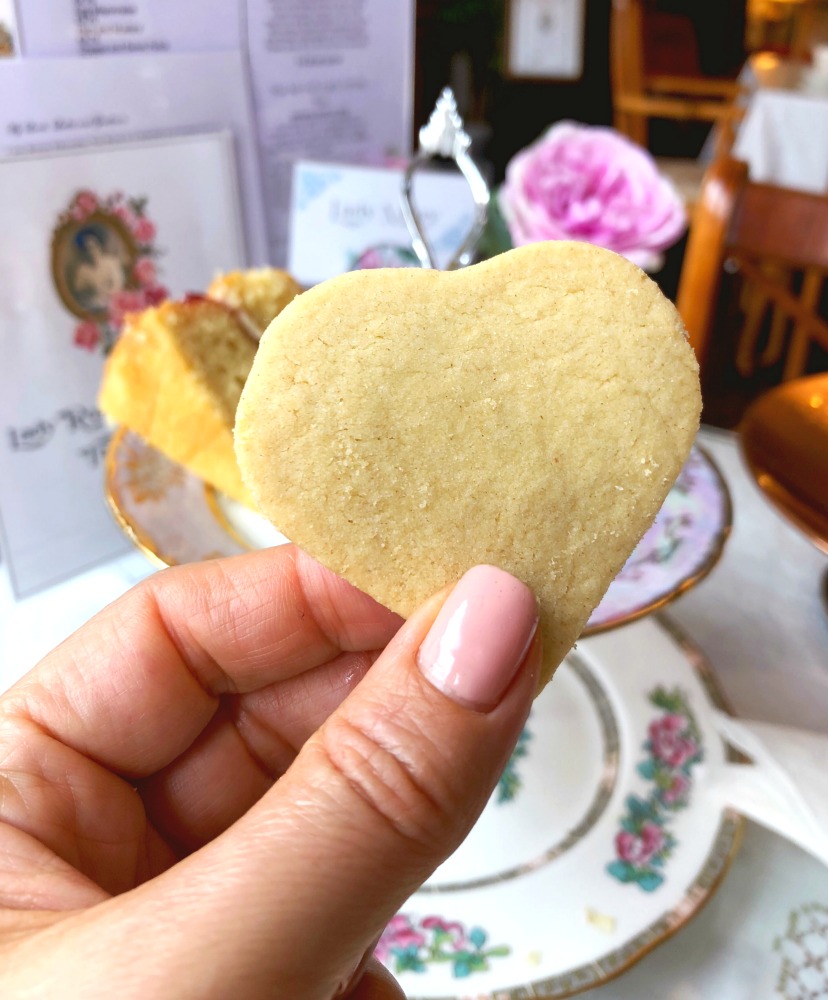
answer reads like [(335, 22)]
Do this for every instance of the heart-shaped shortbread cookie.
[(530, 412)]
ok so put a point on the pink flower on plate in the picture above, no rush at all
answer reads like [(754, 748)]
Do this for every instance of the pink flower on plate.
[(639, 850), (144, 230), (86, 202), (144, 271), (456, 931), (87, 335), (677, 791), (399, 933), (669, 740), (587, 183)]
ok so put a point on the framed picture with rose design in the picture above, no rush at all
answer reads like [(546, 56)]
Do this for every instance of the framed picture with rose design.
[(9, 44), (90, 235)]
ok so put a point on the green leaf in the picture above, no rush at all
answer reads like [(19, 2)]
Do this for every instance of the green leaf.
[(623, 871), (647, 769), (462, 968), (649, 880), (477, 936), (498, 951)]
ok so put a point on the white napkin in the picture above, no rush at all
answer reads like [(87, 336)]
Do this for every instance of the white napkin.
[(785, 788)]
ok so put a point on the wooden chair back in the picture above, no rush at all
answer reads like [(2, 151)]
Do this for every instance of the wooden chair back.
[(777, 239), (809, 28), (638, 96)]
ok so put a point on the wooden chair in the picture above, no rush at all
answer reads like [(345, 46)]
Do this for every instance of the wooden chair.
[(638, 96), (777, 239), (810, 26)]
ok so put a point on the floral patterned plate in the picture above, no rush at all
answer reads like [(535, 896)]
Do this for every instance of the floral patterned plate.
[(174, 518), (599, 843)]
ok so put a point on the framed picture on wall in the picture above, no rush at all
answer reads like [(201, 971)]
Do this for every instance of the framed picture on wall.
[(544, 39)]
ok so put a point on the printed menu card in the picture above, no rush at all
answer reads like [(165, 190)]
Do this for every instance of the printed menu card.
[(90, 235)]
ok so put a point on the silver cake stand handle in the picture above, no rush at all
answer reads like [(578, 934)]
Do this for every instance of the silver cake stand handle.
[(444, 136)]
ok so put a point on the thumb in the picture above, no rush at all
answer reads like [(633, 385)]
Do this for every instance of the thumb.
[(287, 901)]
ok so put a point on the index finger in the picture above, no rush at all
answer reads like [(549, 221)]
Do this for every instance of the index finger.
[(134, 687)]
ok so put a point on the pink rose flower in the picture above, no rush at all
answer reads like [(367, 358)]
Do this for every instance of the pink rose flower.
[(143, 230), (87, 335), (144, 271), (669, 740), (639, 850), (86, 202), (581, 182)]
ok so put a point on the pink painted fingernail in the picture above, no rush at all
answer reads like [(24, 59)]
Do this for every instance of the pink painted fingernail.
[(480, 637)]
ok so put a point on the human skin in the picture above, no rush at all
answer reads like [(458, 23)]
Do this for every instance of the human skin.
[(229, 780)]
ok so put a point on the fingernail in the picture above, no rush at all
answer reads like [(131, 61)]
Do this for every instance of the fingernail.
[(480, 637)]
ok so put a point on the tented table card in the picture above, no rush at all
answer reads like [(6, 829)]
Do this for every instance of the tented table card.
[(90, 235), (346, 217)]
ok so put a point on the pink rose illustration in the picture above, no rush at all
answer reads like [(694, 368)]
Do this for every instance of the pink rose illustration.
[(669, 742), (127, 301), (143, 230), (145, 271), (86, 202), (126, 215), (587, 183), (399, 933), (678, 790), (639, 850), (454, 930), (87, 335), (156, 295)]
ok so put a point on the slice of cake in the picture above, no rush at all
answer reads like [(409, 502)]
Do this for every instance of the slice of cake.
[(175, 377), (259, 295)]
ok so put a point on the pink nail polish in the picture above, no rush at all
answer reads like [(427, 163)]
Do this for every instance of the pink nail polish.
[(480, 637)]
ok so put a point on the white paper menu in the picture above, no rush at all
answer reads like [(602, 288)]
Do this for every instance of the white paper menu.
[(89, 27), (49, 103), (328, 79), (88, 235), (332, 79)]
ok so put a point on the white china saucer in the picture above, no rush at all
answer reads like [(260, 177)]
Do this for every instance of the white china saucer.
[(599, 842)]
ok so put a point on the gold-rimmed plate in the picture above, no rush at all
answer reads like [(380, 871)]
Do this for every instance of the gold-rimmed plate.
[(174, 518), (602, 840)]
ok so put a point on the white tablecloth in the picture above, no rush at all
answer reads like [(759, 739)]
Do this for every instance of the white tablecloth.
[(784, 135)]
